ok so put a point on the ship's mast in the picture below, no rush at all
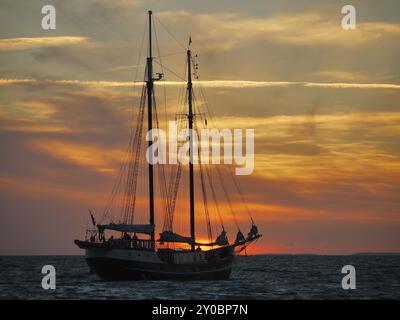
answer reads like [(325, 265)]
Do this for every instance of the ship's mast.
[(191, 176), (149, 86)]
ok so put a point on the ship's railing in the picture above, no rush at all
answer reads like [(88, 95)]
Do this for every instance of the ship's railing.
[(91, 235), (140, 244), (131, 244)]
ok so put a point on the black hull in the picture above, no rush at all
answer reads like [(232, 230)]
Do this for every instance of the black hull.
[(115, 261), (109, 269)]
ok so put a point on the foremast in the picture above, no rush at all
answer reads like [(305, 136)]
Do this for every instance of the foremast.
[(149, 88)]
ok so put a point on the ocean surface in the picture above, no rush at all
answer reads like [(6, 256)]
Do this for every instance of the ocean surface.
[(253, 277)]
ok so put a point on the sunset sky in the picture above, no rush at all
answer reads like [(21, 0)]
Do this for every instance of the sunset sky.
[(324, 103)]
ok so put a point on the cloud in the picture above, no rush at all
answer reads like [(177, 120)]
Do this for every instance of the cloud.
[(356, 150), (93, 112), (128, 4), (39, 42), (345, 85), (234, 84), (90, 157), (342, 75), (6, 82), (228, 30)]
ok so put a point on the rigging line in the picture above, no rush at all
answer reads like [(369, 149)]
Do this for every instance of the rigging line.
[(209, 176), (170, 33), (182, 94), (173, 72), (114, 190), (161, 171), (170, 54), (239, 190), (172, 193), (107, 210), (140, 52), (235, 180), (203, 188), (134, 168), (175, 176), (183, 89), (162, 70), (214, 195), (207, 104), (169, 201), (123, 166), (209, 228), (218, 170), (227, 196), (202, 93)]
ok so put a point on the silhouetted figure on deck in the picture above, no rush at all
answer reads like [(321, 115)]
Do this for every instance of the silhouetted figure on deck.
[(134, 240)]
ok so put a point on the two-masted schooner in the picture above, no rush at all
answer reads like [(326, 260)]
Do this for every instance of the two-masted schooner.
[(132, 252)]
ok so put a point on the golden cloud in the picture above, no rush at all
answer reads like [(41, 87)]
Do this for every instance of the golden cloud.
[(37, 42), (235, 84), (90, 157), (308, 29)]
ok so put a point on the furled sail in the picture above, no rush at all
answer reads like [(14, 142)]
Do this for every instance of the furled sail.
[(253, 232), (138, 228), (239, 237), (169, 236), (222, 239)]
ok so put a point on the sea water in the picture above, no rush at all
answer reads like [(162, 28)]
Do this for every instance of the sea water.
[(253, 277)]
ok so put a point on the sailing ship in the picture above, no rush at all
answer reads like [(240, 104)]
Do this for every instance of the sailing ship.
[(132, 252)]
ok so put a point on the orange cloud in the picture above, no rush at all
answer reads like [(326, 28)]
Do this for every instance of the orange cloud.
[(36, 42), (90, 157), (220, 84), (299, 29)]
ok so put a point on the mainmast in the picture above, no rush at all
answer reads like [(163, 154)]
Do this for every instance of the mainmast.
[(191, 176), (149, 87)]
